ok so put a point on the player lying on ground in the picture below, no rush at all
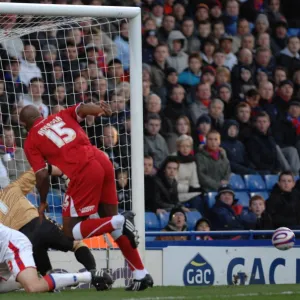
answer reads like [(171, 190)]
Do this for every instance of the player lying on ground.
[(18, 270), (18, 213), (60, 140)]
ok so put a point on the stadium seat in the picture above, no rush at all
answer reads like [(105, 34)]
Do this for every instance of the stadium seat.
[(151, 222), (192, 218), (270, 181), (163, 219), (254, 183), (264, 194), (33, 198), (55, 202), (243, 198), (150, 238), (237, 183), (211, 199)]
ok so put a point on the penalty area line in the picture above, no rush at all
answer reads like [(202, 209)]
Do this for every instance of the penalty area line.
[(215, 296)]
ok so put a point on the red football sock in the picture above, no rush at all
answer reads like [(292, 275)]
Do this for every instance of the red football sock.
[(132, 255), (95, 227)]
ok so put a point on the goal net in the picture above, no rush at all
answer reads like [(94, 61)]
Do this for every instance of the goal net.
[(54, 62)]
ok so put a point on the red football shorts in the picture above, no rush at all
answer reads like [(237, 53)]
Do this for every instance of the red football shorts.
[(95, 184)]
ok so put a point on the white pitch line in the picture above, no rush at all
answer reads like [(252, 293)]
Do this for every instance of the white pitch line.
[(215, 296)]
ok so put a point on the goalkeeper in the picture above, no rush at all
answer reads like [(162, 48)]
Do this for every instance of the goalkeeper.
[(18, 213)]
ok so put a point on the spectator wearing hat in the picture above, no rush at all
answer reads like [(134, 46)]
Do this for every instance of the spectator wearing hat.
[(177, 222), (244, 83), (235, 149), (188, 183), (150, 41), (264, 59), (230, 16), (202, 13), (168, 25), (212, 163), (225, 94), (121, 42), (203, 127), (188, 30), (154, 143), (215, 10), (190, 77), (177, 46), (203, 224), (171, 80), (261, 25), (208, 47), (226, 214), (226, 46), (159, 65), (289, 57), (201, 103), (215, 112), (283, 204), (283, 96), (279, 35), (209, 76), (157, 12)]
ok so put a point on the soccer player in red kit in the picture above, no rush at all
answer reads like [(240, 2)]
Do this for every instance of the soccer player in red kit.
[(59, 140)]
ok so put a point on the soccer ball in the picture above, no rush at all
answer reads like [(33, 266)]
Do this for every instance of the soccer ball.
[(283, 238)]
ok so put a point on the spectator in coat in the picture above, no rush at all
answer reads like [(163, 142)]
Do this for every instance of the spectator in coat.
[(235, 149), (150, 42), (188, 183), (226, 214), (159, 65), (154, 143), (122, 44), (15, 159), (283, 204), (191, 76), (283, 96), (230, 16), (226, 46), (188, 30), (264, 59), (257, 205), (280, 37), (177, 222), (215, 112), (177, 46), (212, 164), (261, 146), (243, 115), (201, 103), (168, 24), (165, 179), (289, 57)]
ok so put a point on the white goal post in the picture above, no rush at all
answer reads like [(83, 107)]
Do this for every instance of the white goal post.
[(133, 14)]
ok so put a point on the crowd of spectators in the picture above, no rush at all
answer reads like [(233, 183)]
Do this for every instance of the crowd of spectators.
[(221, 88)]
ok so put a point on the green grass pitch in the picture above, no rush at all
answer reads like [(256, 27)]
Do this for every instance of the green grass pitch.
[(255, 292)]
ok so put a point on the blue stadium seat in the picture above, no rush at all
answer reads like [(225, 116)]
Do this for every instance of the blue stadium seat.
[(264, 194), (237, 183), (271, 180), (254, 183), (243, 198), (55, 202), (211, 199), (192, 218), (163, 219), (150, 238), (33, 198), (151, 221)]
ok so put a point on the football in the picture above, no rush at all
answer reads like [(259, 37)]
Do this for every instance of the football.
[(283, 238)]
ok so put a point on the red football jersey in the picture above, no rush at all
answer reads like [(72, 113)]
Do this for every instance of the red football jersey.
[(60, 141)]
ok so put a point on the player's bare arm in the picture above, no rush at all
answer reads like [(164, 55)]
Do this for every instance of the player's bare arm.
[(90, 109), (42, 185)]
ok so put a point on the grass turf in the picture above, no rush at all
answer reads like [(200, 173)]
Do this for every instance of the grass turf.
[(255, 292)]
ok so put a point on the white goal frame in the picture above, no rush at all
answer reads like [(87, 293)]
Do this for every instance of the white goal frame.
[(136, 108)]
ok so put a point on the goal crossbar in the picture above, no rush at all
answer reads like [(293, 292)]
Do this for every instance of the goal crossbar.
[(133, 14)]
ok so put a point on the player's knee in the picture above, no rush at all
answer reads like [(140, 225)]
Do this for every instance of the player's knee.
[(116, 234)]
